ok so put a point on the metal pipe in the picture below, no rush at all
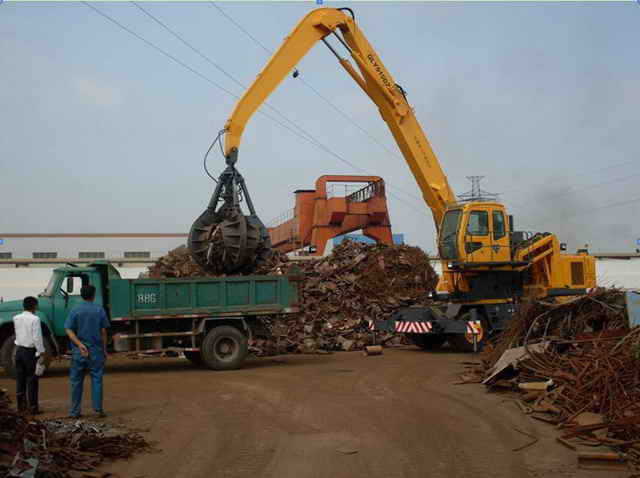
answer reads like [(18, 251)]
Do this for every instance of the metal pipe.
[(332, 49), (347, 66), (343, 42)]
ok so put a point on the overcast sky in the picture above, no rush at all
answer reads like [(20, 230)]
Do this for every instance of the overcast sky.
[(100, 132)]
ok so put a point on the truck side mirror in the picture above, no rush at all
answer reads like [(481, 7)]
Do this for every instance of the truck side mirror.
[(69, 285), (563, 246)]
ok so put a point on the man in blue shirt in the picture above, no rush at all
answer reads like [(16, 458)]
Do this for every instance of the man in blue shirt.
[(86, 326)]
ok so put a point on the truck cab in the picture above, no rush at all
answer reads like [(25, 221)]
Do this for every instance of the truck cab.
[(58, 298)]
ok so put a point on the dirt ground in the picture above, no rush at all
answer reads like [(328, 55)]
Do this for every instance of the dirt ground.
[(340, 415)]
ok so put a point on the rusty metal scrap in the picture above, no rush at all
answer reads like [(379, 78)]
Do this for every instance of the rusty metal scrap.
[(176, 263), (345, 290), (59, 448), (592, 359), (340, 293), (179, 263), (590, 317)]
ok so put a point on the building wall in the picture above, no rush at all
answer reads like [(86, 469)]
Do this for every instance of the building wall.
[(71, 247)]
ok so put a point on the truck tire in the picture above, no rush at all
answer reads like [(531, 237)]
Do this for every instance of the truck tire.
[(194, 357), (8, 355), (224, 348), (428, 341)]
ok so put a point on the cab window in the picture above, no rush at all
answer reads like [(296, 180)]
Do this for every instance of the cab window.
[(51, 287), (478, 223), (498, 225), (450, 223), (71, 285)]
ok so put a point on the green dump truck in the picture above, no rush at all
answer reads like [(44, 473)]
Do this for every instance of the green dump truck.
[(209, 319)]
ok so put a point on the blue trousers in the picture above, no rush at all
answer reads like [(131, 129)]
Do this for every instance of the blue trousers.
[(94, 364)]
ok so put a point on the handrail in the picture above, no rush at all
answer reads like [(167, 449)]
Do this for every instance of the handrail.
[(375, 189)]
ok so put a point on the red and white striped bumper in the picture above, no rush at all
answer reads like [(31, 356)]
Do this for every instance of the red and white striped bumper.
[(414, 327), (474, 327), (401, 326)]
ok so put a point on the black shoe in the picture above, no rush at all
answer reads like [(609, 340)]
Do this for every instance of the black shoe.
[(100, 414)]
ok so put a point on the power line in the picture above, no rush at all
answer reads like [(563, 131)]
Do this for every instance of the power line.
[(309, 138), (241, 28), (577, 175), (574, 191), (591, 210), (189, 68), (235, 80), (606, 206), (591, 186), (393, 153), (317, 93), (209, 60), (157, 48), (188, 45), (354, 123)]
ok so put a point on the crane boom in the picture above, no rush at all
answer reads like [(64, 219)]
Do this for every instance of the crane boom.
[(374, 79)]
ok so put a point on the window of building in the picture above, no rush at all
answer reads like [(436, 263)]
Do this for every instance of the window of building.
[(5, 255), (91, 255), (478, 223), (45, 255), (137, 254)]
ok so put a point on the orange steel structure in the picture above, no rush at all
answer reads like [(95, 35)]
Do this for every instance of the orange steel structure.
[(316, 218)]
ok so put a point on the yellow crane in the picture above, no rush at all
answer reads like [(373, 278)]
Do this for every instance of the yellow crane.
[(486, 265)]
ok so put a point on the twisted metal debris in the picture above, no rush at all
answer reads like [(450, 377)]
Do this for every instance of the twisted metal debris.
[(588, 372), (59, 448)]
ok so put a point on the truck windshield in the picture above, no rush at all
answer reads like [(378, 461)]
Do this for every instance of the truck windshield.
[(51, 286), (449, 234)]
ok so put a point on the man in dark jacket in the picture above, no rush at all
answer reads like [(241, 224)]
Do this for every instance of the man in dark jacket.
[(87, 327)]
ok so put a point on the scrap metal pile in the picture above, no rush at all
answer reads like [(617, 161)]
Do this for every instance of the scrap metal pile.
[(576, 365), (340, 293), (59, 448), (178, 263)]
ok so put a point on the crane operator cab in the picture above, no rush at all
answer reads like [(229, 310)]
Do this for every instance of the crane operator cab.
[(476, 233), (483, 258)]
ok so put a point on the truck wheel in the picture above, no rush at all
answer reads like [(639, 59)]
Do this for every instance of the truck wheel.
[(428, 341), (8, 355), (194, 357), (224, 348), (464, 342)]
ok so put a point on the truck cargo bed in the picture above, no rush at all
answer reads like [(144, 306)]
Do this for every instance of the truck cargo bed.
[(214, 296)]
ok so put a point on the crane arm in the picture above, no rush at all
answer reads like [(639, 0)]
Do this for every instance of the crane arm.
[(375, 81)]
